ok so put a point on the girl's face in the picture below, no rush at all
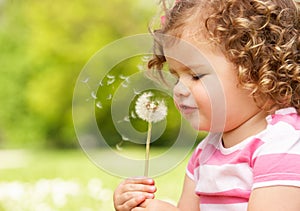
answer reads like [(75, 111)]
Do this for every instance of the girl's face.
[(207, 92)]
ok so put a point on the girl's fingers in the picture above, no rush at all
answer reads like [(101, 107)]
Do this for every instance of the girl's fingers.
[(132, 192), (139, 187), (139, 180), (128, 191), (132, 199), (130, 204), (138, 209)]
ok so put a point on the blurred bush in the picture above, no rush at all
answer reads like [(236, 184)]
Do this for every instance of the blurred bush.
[(44, 45)]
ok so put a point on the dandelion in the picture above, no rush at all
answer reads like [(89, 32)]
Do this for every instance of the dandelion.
[(151, 111)]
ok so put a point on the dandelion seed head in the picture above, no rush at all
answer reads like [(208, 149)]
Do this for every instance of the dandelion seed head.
[(150, 110)]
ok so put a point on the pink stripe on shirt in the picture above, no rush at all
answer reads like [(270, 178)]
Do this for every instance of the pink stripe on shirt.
[(292, 119), (270, 166), (225, 197), (237, 157), (224, 178)]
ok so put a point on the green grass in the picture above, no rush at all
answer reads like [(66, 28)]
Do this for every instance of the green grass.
[(67, 180)]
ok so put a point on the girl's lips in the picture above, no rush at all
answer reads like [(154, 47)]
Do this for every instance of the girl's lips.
[(185, 109)]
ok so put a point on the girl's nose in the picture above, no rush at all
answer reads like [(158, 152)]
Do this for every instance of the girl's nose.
[(180, 90)]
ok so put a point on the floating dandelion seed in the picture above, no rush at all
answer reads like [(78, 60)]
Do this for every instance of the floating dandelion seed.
[(141, 67), (119, 146), (111, 81), (111, 76), (126, 78), (151, 111), (85, 80), (99, 105), (125, 119), (109, 97), (93, 94), (124, 138), (136, 92), (145, 59), (133, 116), (124, 85)]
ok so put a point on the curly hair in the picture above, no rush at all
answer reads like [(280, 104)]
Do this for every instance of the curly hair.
[(260, 37)]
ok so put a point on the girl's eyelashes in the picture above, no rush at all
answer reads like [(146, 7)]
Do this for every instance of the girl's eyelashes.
[(194, 76), (197, 76)]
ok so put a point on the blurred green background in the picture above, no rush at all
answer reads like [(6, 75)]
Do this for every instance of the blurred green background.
[(43, 47)]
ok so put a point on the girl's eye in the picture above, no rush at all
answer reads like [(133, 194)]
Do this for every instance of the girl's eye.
[(197, 77)]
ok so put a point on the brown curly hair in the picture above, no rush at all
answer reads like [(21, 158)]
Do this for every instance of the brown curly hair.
[(260, 37)]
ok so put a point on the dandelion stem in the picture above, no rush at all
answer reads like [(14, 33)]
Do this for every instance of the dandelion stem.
[(148, 149)]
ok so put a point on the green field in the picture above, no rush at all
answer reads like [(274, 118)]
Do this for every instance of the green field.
[(66, 180)]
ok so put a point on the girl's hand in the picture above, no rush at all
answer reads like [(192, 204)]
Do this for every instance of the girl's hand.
[(132, 192)]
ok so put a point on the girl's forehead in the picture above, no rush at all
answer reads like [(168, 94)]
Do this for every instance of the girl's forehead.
[(188, 53), (176, 66)]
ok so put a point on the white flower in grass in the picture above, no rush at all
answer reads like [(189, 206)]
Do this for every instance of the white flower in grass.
[(150, 110)]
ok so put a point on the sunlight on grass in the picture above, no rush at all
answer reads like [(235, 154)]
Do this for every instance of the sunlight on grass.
[(68, 180)]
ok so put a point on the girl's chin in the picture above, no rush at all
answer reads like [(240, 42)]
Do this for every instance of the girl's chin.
[(194, 123)]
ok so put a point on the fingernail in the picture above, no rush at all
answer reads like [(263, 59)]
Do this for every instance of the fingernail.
[(152, 188)]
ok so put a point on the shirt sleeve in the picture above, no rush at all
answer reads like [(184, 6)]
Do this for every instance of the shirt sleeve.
[(193, 163), (277, 162)]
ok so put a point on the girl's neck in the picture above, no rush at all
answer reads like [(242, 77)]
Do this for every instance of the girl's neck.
[(252, 126)]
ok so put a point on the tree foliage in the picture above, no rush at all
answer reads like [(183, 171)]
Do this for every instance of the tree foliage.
[(44, 45)]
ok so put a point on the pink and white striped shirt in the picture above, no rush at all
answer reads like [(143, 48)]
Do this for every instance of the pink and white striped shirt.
[(225, 176)]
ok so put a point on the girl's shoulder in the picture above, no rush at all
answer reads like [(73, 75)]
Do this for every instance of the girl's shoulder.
[(286, 116), (283, 126), (282, 135)]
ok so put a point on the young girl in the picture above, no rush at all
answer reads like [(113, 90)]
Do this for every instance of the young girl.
[(253, 47)]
